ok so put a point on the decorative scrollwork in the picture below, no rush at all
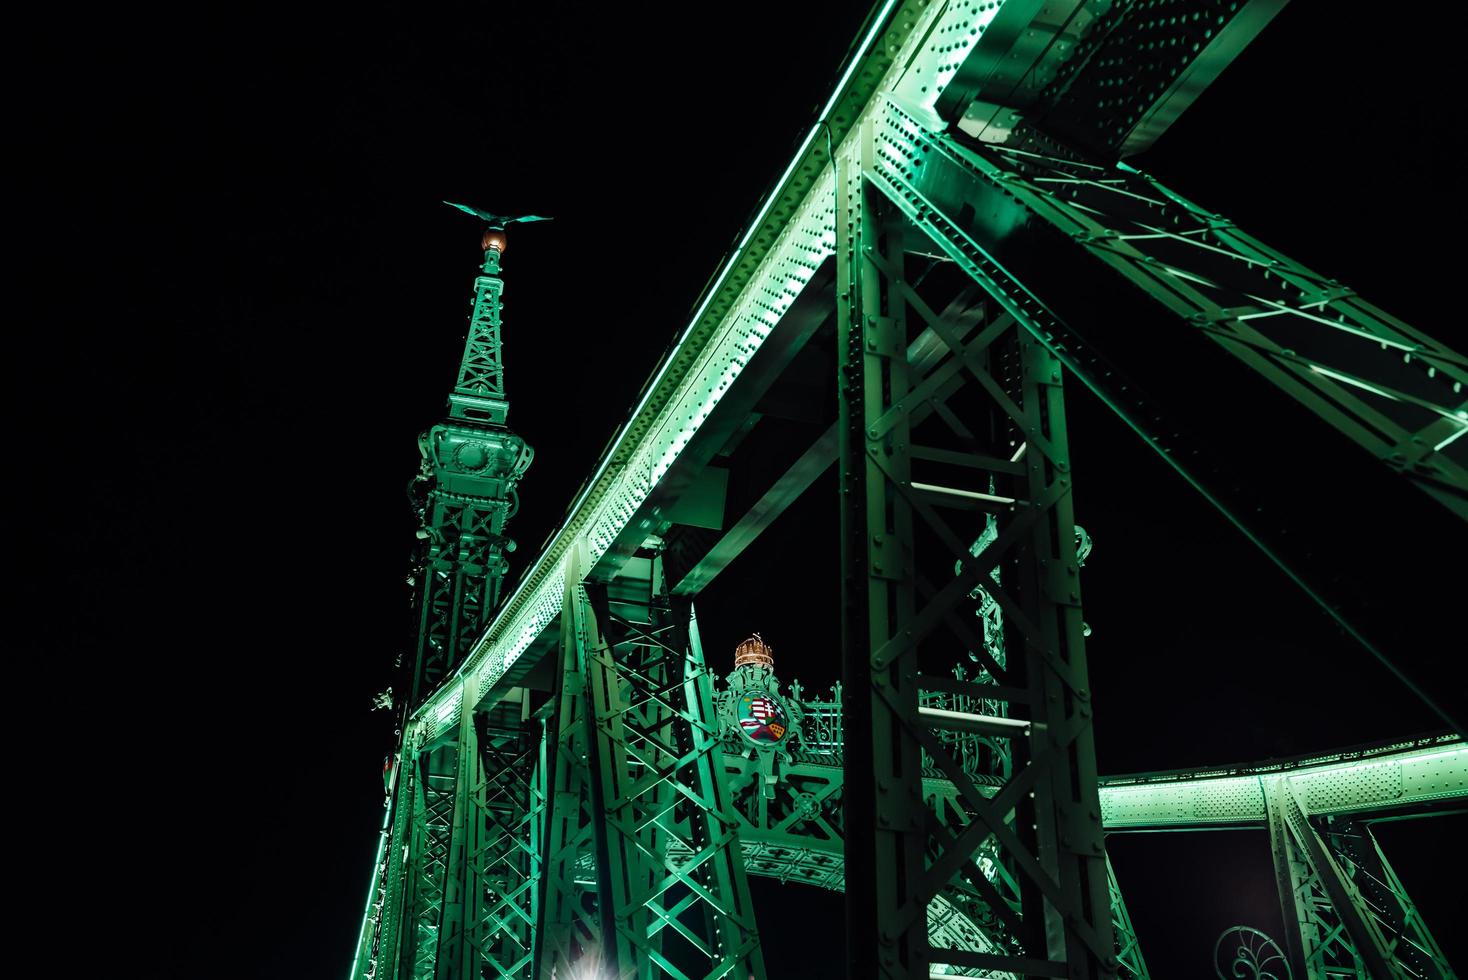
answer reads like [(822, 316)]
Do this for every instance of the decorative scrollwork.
[(1248, 954)]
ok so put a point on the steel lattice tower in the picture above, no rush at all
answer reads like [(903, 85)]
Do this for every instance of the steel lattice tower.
[(575, 791)]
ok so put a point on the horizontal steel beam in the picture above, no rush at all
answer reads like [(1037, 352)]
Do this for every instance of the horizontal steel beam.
[(1373, 784), (1364, 786)]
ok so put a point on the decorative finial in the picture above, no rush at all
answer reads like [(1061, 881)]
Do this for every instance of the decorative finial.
[(756, 652), (495, 224)]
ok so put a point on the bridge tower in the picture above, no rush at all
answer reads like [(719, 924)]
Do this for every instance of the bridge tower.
[(459, 807), (465, 490)]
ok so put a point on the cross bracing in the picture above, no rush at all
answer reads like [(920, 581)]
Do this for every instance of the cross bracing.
[(980, 816)]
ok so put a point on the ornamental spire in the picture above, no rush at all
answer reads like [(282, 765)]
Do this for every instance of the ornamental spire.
[(479, 392)]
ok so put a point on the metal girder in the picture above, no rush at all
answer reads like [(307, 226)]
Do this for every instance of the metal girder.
[(779, 253), (924, 839), (653, 775), (1421, 778), (427, 860), (1329, 930), (1131, 965), (1389, 387), (798, 834), (802, 311), (504, 847), (1141, 67), (458, 885), (382, 925), (925, 351), (1411, 776), (1105, 76), (892, 641), (1362, 861), (569, 927)]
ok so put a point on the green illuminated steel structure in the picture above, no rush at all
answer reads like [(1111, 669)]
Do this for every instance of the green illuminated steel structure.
[(574, 790)]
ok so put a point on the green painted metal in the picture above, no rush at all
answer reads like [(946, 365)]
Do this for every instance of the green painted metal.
[(1328, 932), (427, 860), (479, 392), (615, 822), (910, 54), (504, 850), (653, 783), (970, 204), (465, 492), (1420, 774), (457, 882), (569, 927), (1413, 950), (1107, 78), (1346, 914), (1131, 964), (898, 476)]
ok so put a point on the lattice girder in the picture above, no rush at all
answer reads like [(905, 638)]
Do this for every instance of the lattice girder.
[(1054, 848)]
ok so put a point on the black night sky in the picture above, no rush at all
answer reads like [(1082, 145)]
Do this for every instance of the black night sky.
[(255, 301)]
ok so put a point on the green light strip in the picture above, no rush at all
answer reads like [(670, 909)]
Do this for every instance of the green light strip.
[(372, 886), (1378, 783)]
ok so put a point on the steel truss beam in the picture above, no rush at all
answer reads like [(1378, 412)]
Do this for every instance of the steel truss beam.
[(1390, 388), (1131, 965), (1345, 912), (570, 928), (427, 872), (969, 202), (1361, 859), (1417, 776), (654, 779), (459, 881), (1045, 821), (798, 836), (503, 847)]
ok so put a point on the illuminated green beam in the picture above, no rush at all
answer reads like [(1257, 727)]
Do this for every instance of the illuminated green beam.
[(1381, 783)]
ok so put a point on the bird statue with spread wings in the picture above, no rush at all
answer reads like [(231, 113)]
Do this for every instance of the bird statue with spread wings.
[(496, 222), (494, 226)]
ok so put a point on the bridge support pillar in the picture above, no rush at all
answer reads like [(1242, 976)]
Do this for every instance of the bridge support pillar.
[(637, 718), (925, 460)]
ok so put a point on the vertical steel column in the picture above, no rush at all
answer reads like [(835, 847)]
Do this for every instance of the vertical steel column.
[(656, 782), (505, 860), (453, 958), (568, 923), (431, 831), (493, 865), (1043, 823), (883, 805), (568, 926)]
